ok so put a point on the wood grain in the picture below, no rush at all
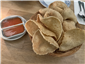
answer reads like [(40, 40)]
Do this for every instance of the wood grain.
[(20, 51), (82, 0)]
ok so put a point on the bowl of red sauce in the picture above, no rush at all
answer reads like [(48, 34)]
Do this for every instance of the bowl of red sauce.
[(12, 27)]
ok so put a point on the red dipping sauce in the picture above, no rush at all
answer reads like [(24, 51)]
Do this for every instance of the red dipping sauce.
[(10, 22), (13, 30)]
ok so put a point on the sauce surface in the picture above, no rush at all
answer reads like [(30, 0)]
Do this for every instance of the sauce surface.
[(13, 30), (10, 22)]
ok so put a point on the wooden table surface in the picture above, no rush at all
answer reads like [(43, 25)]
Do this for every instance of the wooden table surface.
[(20, 51)]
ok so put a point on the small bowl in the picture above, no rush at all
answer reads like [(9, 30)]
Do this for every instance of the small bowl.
[(16, 36)]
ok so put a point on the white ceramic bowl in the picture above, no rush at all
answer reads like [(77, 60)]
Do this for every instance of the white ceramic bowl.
[(46, 3), (17, 36)]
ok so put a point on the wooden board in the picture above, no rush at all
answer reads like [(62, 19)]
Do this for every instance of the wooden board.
[(20, 51)]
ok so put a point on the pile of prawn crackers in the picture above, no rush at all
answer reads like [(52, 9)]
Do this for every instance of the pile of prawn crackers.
[(55, 29)]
